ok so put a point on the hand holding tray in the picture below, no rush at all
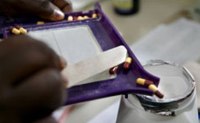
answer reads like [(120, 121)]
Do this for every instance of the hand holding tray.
[(106, 38)]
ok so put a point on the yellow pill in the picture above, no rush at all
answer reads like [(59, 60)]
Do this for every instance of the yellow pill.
[(86, 17), (127, 63), (94, 15), (156, 91), (128, 60), (140, 81), (15, 31), (70, 18), (22, 30), (144, 82), (80, 18), (40, 22), (153, 87)]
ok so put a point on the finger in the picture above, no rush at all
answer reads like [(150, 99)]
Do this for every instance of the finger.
[(22, 56), (64, 5), (52, 12), (43, 8), (39, 95)]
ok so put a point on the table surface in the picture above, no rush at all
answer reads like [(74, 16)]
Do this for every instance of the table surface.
[(151, 14)]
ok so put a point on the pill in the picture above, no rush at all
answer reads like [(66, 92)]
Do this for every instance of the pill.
[(94, 15), (70, 18), (159, 94), (22, 30), (80, 18), (127, 63), (151, 86), (113, 70), (40, 22), (156, 91), (144, 82), (15, 31), (86, 17)]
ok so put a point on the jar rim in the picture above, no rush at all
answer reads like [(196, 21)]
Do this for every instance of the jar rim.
[(149, 103)]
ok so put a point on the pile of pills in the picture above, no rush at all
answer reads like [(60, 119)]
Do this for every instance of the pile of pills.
[(17, 30), (140, 81), (81, 18)]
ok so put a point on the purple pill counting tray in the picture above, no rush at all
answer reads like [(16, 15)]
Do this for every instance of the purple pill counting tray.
[(107, 37)]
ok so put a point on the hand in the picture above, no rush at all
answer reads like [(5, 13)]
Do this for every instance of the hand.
[(44, 8), (31, 86)]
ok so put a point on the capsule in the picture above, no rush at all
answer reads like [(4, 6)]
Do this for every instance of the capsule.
[(156, 91), (15, 31), (94, 15), (70, 18), (150, 85), (80, 18), (40, 22), (144, 82), (113, 70), (86, 17), (22, 30), (127, 63)]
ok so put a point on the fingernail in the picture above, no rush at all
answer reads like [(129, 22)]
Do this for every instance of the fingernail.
[(57, 15)]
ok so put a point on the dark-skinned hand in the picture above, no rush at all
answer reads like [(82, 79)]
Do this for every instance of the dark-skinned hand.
[(48, 9), (31, 86)]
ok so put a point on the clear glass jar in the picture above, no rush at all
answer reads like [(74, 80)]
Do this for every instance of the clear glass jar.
[(179, 102)]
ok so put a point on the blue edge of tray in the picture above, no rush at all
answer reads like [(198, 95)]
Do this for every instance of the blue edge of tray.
[(108, 37)]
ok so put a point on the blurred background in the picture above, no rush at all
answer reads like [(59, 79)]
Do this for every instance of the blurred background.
[(151, 13)]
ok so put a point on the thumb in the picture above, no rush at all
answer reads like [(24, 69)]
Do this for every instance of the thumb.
[(43, 8), (49, 11)]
